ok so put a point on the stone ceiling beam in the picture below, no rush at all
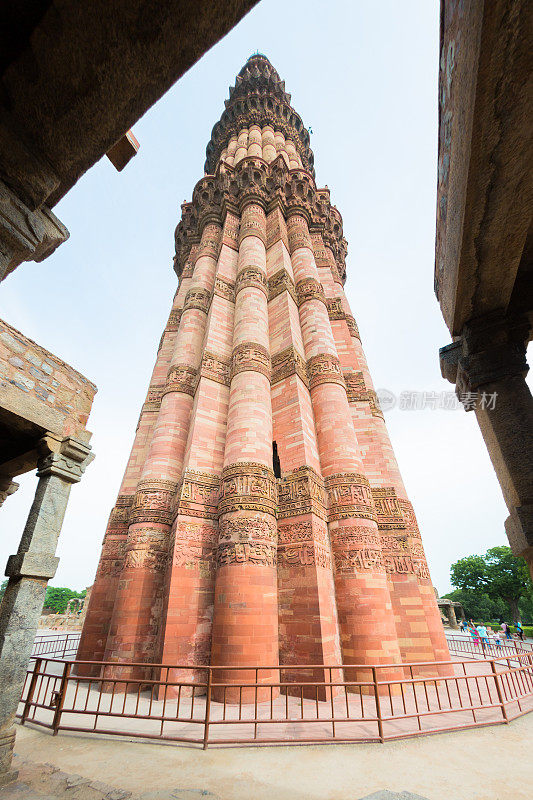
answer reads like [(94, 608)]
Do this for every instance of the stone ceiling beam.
[(485, 189)]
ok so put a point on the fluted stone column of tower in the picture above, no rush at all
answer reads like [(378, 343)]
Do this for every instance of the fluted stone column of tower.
[(352, 518), (98, 617), (418, 622), (136, 619), (185, 629), (262, 518), (245, 617), (308, 623)]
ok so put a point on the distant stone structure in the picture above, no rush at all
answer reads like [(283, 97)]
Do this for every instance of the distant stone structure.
[(72, 618), (452, 611), (484, 243), (262, 517), (44, 407)]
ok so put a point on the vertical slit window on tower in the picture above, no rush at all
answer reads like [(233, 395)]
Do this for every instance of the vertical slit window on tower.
[(276, 466)]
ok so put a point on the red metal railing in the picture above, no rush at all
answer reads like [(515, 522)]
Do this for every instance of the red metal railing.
[(377, 703), (466, 646), (56, 645), (60, 645)]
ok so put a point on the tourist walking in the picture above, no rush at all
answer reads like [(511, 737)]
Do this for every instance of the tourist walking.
[(474, 634), (482, 631), (520, 630), (490, 636)]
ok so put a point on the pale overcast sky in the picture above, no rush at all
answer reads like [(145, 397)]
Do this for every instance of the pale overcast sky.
[(363, 76)]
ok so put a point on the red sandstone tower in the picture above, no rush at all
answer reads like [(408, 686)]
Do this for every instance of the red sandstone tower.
[(262, 518)]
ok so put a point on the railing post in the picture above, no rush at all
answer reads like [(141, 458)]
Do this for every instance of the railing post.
[(378, 705), (499, 691), (207, 708), (332, 702), (255, 701), (31, 689), (61, 699)]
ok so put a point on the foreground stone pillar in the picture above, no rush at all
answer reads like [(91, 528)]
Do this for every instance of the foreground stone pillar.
[(62, 464), (488, 365)]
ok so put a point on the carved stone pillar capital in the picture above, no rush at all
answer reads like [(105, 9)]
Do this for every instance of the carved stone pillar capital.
[(65, 458), (491, 349), (26, 235), (251, 196), (296, 211)]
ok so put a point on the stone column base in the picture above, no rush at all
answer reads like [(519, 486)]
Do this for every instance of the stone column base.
[(7, 743)]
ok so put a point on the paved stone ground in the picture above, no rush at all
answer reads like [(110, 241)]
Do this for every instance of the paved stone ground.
[(487, 764), (47, 782), (386, 795)]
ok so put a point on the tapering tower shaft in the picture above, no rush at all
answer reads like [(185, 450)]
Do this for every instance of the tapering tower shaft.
[(262, 517)]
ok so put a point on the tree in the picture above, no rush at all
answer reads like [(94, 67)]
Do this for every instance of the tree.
[(56, 598), (470, 574), (526, 608), (3, 587), (508, 576), (478, 605), (497, 575)]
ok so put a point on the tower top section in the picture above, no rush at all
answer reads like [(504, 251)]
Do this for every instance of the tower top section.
[(259, 154), (259, 98)]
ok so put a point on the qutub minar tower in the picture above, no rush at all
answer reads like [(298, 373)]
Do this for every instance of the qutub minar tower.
[(262, 518)]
